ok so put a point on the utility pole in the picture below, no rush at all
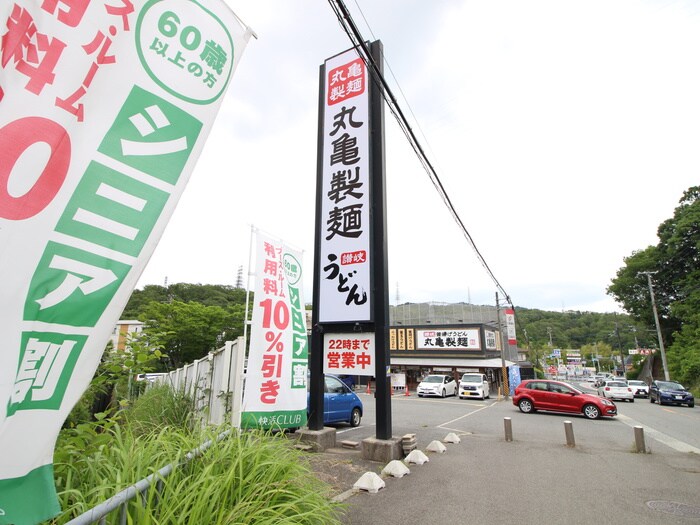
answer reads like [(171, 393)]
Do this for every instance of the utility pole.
[(504, 342), (596, 364), (633, 329), (534, 364), (658, 328), (622, 355)]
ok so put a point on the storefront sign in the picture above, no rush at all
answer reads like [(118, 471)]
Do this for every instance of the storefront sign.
[(490, 340), (344, 229), (449, 339), (351, 354), (402, 339), (275, 388), (105, 109)]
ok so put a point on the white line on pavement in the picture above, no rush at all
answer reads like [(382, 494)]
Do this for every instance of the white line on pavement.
[(667, 440), (462, 417)]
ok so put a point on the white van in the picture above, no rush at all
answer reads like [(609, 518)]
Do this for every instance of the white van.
[(474, 384)]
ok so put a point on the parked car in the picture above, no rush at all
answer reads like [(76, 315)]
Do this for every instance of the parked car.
[(348, 380), (474, 384), (670, 392), (600, 379), (615, 389), (538, 394), (340, 404), (639, 388), (437, 385)]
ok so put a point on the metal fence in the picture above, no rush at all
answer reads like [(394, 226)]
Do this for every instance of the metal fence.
[(215, 382)]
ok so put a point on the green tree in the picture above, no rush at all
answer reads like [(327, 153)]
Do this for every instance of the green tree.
[(190, 330), (140, 298), (206, 294), (675, 261)]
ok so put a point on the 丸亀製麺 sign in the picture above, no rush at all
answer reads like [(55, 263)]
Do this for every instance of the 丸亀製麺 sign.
[(449, 339), (344, 229), (106, 105)]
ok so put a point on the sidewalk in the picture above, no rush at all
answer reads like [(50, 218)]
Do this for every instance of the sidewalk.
[(536, 479)]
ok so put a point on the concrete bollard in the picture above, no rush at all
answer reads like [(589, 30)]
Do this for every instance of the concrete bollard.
[(508, 428), (569, 431), (639, 440)]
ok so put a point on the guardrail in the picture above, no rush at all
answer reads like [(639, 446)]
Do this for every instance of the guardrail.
[(120, 501)]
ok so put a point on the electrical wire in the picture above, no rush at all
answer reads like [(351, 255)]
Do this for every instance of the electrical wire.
[(348, 25)]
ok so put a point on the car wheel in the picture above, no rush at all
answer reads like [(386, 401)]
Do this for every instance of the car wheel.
[(651, 399), (355, 417), (420, 395), (691, 405), (631, 400), (591, 411), (443, 393), (526, 406)]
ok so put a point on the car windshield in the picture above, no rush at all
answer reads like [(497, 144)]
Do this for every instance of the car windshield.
[(669, 385), (433, 379), (637, 383), (617, 384), (471, 378)]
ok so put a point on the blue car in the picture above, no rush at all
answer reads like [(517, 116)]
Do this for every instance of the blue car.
[(670, 392), (340, 404)]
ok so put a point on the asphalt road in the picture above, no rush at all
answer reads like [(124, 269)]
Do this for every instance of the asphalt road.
[(669, 426), (536, 478)]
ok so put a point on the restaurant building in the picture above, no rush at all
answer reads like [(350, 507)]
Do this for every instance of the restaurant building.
[(448, 338)]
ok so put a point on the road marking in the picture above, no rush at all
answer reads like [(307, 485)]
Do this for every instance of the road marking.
[(442, 425), (351, 428), (667, 440), (683, 413)]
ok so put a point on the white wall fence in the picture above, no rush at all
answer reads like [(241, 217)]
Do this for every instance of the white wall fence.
[(215, 382)]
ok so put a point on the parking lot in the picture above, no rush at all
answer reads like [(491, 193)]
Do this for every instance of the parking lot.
[(666, 427), (536, 478)]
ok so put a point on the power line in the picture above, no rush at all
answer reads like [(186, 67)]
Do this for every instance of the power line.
[(351, 29)]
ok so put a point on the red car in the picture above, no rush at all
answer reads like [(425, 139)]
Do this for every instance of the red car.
[(540, 394)]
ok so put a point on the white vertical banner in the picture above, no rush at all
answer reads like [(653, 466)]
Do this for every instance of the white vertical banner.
[(275, 387), (510, 326), (105, 108), (345, 280)]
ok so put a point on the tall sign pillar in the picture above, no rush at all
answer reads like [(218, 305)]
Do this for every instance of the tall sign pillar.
[(379, 249), (350, 315)]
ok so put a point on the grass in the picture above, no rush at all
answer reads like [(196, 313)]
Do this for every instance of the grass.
[(246, 478)]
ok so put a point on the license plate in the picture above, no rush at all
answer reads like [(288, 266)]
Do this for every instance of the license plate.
[(679, 397)]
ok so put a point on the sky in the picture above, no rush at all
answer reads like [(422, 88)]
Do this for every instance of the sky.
[(564, 132)]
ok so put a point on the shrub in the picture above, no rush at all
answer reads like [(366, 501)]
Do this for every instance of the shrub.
[(160, 406), (244, 478)]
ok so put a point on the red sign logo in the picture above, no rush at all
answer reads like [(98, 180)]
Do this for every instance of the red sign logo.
[(353, 257), (346, 81)]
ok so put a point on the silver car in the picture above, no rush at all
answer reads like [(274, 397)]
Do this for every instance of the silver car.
[(437, 385)]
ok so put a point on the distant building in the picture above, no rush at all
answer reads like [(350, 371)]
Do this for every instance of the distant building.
[(121, 332), (447, 338)]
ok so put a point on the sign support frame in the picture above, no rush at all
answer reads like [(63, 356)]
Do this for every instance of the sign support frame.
[(379, 291)]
